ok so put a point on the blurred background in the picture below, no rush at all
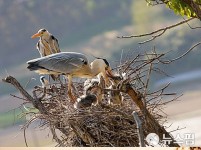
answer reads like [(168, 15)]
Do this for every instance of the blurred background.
[(92, 27)]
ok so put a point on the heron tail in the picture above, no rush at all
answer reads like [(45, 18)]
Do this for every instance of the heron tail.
[(33, 67)]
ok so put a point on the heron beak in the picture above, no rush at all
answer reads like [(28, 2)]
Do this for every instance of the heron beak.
[(36, 35), (109, 72)]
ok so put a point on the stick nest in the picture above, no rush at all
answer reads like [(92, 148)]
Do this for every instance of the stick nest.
[(101, 125)]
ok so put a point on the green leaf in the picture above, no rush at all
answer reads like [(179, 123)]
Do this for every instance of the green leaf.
[(181, 8)]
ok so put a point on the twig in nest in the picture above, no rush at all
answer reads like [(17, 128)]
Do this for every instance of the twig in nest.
[(18, 97), (25, 139), (26, 126), (55, 135)]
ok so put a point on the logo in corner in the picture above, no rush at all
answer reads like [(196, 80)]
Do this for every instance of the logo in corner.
[(152, 139)]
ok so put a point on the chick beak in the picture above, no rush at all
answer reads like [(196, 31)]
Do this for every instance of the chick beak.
[(36, 35)]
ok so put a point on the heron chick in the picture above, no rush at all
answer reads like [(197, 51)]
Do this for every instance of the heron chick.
[(44, 82), (92, 93), (115, 96), (70, 64), (85, 101), (95, 86)]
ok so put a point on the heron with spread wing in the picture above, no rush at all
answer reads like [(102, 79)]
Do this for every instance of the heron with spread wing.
[(70, 64)]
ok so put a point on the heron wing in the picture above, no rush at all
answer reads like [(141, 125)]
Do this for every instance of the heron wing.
[(39, 48), (63, 63), (54, 44), (43, 48)]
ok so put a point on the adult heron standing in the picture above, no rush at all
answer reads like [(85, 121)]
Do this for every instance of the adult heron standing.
[(47, 45), (70, 64)]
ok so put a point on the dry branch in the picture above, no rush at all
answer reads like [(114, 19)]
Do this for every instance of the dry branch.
[(156, 33), (137, 99), (139, 128)]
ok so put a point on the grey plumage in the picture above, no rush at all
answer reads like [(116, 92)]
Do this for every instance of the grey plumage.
[(47, 43), (48, 46), (61, 63), (70, 64)]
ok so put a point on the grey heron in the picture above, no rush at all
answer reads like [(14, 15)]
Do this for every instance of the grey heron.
[(47, 45), (70, 64)]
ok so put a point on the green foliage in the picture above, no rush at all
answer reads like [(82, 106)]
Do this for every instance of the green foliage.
[(179, 7)]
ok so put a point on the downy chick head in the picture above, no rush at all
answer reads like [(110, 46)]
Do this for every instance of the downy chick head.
[(85, 101)]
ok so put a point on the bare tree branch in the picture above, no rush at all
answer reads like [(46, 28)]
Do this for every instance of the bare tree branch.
[(181, 56), (156, 33), (191, 26)]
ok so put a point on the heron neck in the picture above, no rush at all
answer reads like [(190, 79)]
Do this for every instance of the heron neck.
[(87, 72), (45, 37), (94, 71)]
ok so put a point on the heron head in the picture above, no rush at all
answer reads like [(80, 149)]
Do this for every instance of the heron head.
[(40, 33), (101, 66)]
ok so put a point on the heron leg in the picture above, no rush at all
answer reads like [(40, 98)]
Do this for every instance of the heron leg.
[(60, 80), (49, 78), (70, 94)]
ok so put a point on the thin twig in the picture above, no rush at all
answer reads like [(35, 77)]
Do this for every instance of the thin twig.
[(18, 97), (156, 33), (190, 25), (181, 56), (25, 139)]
